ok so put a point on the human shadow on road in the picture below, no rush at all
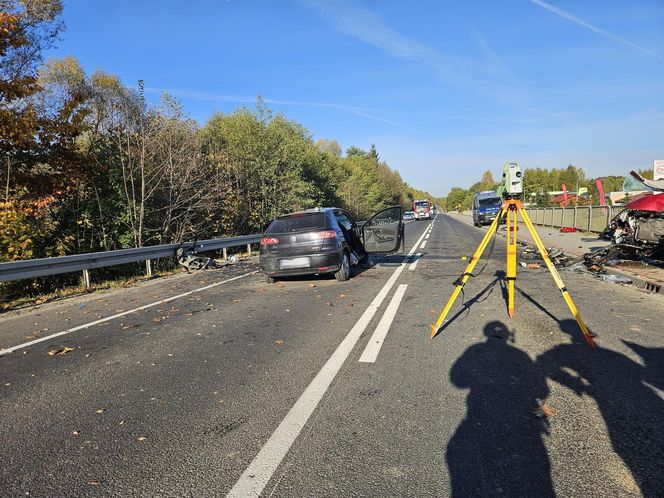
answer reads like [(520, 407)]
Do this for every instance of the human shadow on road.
[(498, 449), (621, 387)]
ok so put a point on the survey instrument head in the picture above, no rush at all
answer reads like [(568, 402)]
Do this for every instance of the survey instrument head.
[(512, 186)]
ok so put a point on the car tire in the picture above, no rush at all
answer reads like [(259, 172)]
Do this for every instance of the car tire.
[(344, 269), (269, 279)]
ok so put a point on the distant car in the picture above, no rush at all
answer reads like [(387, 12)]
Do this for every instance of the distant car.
[(326, 240), (408, 215)]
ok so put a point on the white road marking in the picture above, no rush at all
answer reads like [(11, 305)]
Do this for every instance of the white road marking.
[(413, 265), (427, 236), (423, 244), (373, 346), (259, 472), (119, 315)]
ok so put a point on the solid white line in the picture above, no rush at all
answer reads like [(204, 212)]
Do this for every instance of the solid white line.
[(413, 265), (423, 244), (124, 313), (259, 472), (373, 346)]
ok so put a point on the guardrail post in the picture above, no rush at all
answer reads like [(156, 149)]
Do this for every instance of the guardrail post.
[(249, 249), (86, 278), (576, 209), (148, 267), (590, 218), (225, 253)]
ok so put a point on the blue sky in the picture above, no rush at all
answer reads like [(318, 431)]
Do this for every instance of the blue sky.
[(446, 90)]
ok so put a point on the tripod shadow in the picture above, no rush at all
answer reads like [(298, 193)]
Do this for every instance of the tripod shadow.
[(498, 449), (625, 393), (466, 305)]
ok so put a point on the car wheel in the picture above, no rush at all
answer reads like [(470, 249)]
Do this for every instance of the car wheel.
[(269, 279), (344, 270)]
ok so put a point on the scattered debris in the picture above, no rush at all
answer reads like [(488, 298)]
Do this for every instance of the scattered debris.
[(617, 279), (279, 342), (558, 257), (568, 230), (141, 438), (60, 351), (188, 259), (534, 266)]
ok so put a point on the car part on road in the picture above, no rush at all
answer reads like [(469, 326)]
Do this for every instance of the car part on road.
[(188, 259)]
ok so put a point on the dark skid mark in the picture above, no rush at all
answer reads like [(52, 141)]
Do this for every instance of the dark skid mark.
[(223, 428)]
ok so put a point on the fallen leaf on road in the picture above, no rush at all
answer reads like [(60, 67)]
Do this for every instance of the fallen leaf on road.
[(131, 326), (157, 319), (60, 351), (101, 410), (94, 483), (312, 285), (329, 303), (544, 410), (279, 342), (237, 300), (141, 438), (342, 296), (75, 433), (281, 285), (533, 266)]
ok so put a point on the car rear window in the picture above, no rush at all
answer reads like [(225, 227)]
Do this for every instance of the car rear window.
[(300, 222)]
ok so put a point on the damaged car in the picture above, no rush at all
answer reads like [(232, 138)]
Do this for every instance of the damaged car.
[(326, 240), (638, 230)]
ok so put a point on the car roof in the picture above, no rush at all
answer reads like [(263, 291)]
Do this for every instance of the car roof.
[(487, 194), (308, 211)]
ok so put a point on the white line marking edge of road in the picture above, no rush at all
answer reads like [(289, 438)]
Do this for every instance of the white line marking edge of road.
[(119, 315)]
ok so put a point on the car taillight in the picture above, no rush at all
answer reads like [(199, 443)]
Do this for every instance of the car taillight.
[(325, 234), (268, 241)]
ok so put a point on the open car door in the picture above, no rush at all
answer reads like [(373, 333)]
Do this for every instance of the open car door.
[(383, 232)]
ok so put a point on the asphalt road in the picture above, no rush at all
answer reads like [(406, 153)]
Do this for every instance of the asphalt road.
[(246, 387)]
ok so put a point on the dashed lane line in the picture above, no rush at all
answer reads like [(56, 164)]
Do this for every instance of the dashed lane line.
[(259, 472), (413, 265), (376, 342)]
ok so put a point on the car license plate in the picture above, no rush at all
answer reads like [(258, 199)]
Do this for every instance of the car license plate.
[(285, 264)]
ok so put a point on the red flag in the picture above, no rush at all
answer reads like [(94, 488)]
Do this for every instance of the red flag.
[(564, 195), (600, 192)]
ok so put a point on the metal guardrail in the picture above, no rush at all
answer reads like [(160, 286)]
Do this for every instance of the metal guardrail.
[(587, 218), (17, 270)]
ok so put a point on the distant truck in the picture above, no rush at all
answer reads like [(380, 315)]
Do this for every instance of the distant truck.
[(486, 206), (422, 209)]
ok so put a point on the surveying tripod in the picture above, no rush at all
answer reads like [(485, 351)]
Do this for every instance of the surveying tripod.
[(510, 209)]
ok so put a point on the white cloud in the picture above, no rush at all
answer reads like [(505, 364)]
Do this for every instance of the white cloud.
[(367, 113), (566, 15), (462, 72)]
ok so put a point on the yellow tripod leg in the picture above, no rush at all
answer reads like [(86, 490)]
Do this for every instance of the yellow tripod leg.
[(554, 273), (469, 270), (511, 258)]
